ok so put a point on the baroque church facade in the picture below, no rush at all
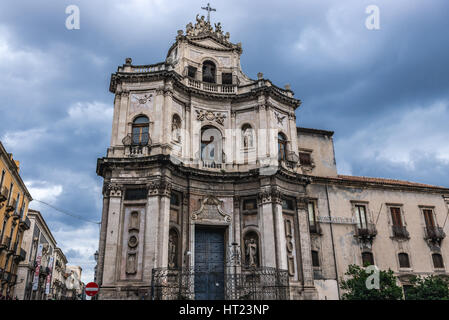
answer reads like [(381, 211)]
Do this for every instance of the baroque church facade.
[(212, 191)]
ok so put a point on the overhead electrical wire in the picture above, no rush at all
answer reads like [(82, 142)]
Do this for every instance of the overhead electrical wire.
[(66, 213)]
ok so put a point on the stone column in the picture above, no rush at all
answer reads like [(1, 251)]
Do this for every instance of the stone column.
[(267, 228), (233, 156), (187, 149), (112, 235), (103, 232), (304, 235), (167, 116), (122, 121), (281, 244), (115, 121), (293, 132), (157, 226)]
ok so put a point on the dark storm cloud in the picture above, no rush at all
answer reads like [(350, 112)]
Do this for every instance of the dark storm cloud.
[(384, 92)]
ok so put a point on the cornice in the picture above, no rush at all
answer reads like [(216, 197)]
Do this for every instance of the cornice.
[(377, 185), (271, 91)]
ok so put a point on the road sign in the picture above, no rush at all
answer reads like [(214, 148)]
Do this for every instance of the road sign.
[(91, 289)]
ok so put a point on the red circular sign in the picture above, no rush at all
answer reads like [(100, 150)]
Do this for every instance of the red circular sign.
[(91, 289)]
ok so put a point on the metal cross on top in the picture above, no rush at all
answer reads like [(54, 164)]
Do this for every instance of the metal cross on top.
[(208, 9)]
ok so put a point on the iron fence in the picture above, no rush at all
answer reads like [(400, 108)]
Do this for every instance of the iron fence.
[(262, 283)]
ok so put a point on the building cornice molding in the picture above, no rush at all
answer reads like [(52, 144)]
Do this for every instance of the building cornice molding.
[(378, 185), (268, 90)]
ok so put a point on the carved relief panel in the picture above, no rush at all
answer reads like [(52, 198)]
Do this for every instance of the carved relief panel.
[(140, 102), (132, 247), (290, 243)]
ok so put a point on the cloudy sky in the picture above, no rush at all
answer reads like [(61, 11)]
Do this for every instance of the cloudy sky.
[(384, 92)]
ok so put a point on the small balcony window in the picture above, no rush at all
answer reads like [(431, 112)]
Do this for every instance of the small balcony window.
[(305, 158), (437, 261), (404, 261), (140, 131), (367, 259)]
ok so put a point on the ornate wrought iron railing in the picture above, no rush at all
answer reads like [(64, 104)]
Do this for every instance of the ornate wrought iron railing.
[(262, 283)]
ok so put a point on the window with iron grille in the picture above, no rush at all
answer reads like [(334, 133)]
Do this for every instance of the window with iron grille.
[(437, 261), (136, 194), (315, 259), (404, 261), (305, 158), (367, 259)]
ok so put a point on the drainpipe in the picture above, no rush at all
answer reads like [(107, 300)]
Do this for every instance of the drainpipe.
[(332, 239)]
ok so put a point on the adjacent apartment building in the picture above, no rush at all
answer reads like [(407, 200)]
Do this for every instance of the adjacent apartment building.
[(14, 200), (36, 270)]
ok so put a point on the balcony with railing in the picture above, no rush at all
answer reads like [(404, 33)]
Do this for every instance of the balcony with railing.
[(211, 87), (12, 249), (4, 194), (315, 229), (25, 224), (6, 244), (22, 255), (11, 206), (16, 214), (133, 149), (366, 232), (400, 232), (434, 234), (6, 276)]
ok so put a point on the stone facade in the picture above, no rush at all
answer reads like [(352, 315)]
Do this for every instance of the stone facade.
[(196, 144)]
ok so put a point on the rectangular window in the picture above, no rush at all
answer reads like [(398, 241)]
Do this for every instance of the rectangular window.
[(428, 217), (3, 178), (312, 216), (10, 192), (315, 259), (249, 204), (367, 259), (191, 72), (361, 216), (226, 78), (287, 204), (437, 261), (396, 216), (305, 158), (136, 194)]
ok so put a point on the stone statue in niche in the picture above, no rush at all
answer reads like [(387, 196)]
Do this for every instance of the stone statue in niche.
[(247, 134), (131, 263), (176, 129), (251, 250), (172, 249)]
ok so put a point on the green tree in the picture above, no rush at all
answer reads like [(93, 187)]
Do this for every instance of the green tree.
[(356, 287), (428, 288)]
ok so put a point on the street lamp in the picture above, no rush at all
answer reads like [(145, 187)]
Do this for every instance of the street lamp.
[(96, 255)]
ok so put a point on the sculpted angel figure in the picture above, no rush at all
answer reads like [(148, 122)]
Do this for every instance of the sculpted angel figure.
[(218, 28)]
